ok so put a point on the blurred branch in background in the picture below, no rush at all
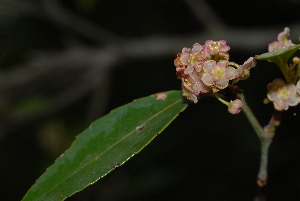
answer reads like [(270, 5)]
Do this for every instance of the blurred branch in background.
[(79, 70), (54, 12), (205, 14), (74, 73), (65, 63)]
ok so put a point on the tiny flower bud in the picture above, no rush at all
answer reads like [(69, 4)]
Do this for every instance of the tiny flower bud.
[(277, 123), (243, 71), (296, 60), (282, 41), (266, 101), (235, 106)]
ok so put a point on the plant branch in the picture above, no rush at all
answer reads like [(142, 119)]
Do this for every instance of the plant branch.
[(264, 139), (263, 174), (252, 119), (57, 14), (205, 14), (265, 135)]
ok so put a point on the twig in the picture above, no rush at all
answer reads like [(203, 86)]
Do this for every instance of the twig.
[(55, 13), (252, 119), (205, 14)]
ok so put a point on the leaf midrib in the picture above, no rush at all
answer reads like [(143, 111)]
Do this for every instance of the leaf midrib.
[(97, 156)]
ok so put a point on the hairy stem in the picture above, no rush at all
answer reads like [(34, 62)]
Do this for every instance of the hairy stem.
[(263, 174), (265, 139), (252, 119)]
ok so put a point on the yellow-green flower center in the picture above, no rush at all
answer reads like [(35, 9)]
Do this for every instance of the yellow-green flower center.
[(218, 72), (214, 46), (195, 57), (283, 93), (192, 59), (188, 82), (246, 73)]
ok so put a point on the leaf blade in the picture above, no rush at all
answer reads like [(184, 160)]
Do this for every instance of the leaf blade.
[(282, 54), (108, 143)]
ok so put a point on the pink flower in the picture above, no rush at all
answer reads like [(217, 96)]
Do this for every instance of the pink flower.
[(235, 106), (197, 80), (243, 71), (283, 95), (193, 58), (185, 55), (217, 75), (214, 47), (187, 92), (192, 86), (282, 41), (180, 68)]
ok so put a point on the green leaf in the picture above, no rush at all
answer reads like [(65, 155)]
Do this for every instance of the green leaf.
[(108, 143), (279, 56)]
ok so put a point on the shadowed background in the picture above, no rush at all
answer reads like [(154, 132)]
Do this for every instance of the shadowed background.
[(66, 63)]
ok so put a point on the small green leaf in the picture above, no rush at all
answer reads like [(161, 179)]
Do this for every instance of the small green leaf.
[(108, 143), (279, 56)]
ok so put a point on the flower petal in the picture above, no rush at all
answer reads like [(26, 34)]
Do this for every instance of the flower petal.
[(298, 87), (272, 95), (204, 88), (208, 42), (185, 58), (187, 87), (196, 88), (224, 48), (186, 50), (209, 65), (207, 79), (223, 63), (230, 73), (222, 83), (291, 88), (280, 105), (274, 46), (199, 66), (283, 35), (293, 100), (189, 69), (197, 47), (189, 96), (277, 83)]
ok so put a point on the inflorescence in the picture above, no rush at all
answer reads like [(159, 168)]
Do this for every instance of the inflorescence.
[(207, 69), (281, 93)]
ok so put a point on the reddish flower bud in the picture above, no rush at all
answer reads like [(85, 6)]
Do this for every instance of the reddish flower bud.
[(235, 106)]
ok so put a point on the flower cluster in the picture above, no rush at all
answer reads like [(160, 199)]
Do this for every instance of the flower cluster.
[(206, 68), (282, 41), (283, 95)]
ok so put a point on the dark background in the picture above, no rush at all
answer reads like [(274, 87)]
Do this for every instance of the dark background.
[(66, 63)]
